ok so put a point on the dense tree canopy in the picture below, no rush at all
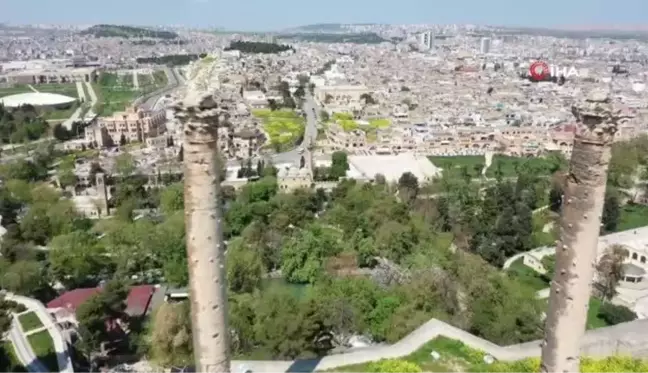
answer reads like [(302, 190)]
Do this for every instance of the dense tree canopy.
[(306, 268), (257, 47), (21, 125)]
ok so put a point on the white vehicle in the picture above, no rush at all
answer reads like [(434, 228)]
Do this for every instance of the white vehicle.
[(300, 150)]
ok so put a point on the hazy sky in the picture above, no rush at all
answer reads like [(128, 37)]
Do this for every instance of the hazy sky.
[(269, 15)]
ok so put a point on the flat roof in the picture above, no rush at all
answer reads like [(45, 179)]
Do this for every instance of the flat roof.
[(393, 166), (36, 99)]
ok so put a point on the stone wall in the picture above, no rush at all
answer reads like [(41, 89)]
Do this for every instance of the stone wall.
[(625, 339)]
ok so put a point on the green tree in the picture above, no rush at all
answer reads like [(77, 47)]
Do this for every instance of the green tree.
[(95, 313), (169, 246), (24, 277), (549, 264), (5, 316), (244, 267), (611, 212), (408, 187), (555, 198), (125, 164), (171, 335), (172, 198), (304, 253), (610, 271), (77, 258), (339, 165)]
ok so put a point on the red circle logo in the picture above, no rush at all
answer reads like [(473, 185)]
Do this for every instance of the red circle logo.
[(539, 70)]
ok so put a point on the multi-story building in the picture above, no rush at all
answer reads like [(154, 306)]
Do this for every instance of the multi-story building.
[(485, 45), (426, 40), (132, 124), (341, 94), (340, 139)]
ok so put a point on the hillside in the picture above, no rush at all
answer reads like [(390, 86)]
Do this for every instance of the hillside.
[(105, 31)]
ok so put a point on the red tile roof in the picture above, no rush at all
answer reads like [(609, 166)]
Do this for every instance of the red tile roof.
[(137, 302)]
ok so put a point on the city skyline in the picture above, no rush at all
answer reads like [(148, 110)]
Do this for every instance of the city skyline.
[(253, 15)]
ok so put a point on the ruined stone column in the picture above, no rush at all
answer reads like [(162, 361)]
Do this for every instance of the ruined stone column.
[(576, 251), (201, 117)]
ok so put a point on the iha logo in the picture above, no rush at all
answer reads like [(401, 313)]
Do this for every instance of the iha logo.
[(540, 70)]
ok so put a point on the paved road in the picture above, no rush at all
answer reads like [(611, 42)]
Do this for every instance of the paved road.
[(310, 135), (23, 349), (81, 92), (149, 101)]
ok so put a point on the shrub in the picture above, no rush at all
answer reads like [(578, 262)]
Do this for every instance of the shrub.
[(613, 314), (609, 365), (393, 366)]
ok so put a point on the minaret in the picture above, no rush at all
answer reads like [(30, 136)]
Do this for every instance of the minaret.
[(102, 193)]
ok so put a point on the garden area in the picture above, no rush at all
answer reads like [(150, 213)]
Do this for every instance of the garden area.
[(285, 128), (599, 313), (348, 124), (632, 216), (151, 82), (30, 321), (43, 347), (14, 90), (502, 165), (448, 355), (113, 94)]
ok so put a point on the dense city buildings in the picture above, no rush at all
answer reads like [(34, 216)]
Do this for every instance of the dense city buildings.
[(367, 173)]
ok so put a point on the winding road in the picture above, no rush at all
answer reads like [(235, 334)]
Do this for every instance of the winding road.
[(150, 100)]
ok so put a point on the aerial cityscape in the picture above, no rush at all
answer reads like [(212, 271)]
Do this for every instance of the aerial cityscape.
[(346, 197)]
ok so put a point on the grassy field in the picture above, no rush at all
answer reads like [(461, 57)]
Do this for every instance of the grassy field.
[(347, 123), (22, 88), (632, 216), (536, 281), (67, 89), (11, 363), (285, 128), (126, 80), (453, 165), (510, 166), (43, 347), (112, 94), (151, 82), (507, 166), (593, 320), (454, 357), (539, 237), (527, 276), (30, 321)]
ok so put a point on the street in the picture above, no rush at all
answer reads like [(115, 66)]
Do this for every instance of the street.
[(310, 135)]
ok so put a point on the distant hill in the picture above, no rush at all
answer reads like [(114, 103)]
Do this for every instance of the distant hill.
[(118, 31), (577, 34), (355, 38), (320, 27)]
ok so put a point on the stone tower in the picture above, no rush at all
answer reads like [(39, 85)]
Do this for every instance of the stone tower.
[(102, 193)]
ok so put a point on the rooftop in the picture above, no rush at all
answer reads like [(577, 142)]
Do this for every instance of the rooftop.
[(36, 99), (137, 302)]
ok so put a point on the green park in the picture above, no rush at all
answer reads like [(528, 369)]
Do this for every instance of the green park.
[(284, 127)]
